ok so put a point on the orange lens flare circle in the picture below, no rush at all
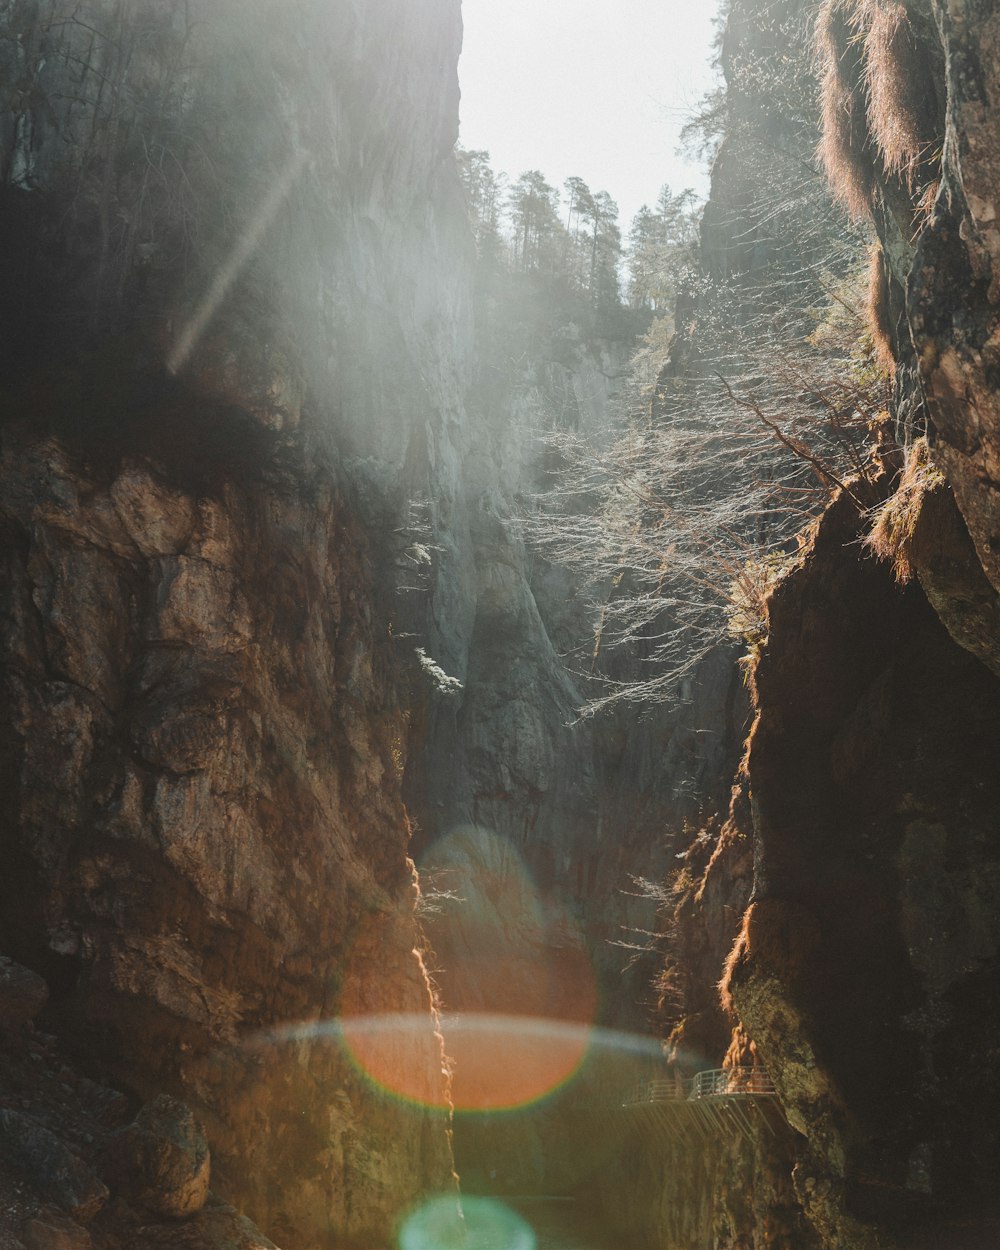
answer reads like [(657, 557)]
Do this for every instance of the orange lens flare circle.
[(386, 1022), (505, 1062), (516, 977), (400, 1054), (499, 1063)]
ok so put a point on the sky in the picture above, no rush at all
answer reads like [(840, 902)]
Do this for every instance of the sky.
[(594, 88)]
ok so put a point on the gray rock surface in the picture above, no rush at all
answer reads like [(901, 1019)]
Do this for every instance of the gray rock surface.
[(60, 1175), (23, 994)]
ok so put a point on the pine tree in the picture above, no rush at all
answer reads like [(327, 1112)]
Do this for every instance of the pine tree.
[(661, 248)]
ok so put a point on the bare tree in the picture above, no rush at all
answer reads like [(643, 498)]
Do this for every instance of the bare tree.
[(739, 426)]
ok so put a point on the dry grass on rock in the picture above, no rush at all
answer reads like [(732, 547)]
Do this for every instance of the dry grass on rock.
[(871, 81), (896, 532)]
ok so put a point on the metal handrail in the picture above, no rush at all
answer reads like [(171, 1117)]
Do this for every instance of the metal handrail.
[(730, 1081), (718, 1083), (656, 1091)]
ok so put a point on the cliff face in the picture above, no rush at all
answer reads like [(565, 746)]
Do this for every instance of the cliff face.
[(532, 823), (215, 380), (205, 824), (953, 301), (867, 958), (677, 1179), (866, 969), (581, 804)]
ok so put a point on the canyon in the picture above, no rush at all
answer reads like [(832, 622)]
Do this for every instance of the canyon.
[(297, 790)]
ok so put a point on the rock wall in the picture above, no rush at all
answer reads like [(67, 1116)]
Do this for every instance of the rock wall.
[(582, 805), (677, 1178), (206, 822), (235, 257), (863, 967), (866, 968)]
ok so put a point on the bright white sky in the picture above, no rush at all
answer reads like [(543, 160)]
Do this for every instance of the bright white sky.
[(596, 88)]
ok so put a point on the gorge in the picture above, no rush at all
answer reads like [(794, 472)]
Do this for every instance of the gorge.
[(339, 906)]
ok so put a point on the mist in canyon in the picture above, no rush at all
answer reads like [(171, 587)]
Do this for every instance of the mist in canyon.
[(501, 696)]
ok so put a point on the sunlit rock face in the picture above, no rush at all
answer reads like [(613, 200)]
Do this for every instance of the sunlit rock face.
[(233, 297)]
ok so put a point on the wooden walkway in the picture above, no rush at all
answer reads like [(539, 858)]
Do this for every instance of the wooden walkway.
[(720, 1102)]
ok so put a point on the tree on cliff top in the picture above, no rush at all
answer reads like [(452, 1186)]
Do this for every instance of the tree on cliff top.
[(661, 248), (572, 248)]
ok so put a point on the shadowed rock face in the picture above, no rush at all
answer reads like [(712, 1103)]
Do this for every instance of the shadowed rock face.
[(675, 1181), (226, 276), (869, 958), (863, 967), (867, 965), (953, 304)]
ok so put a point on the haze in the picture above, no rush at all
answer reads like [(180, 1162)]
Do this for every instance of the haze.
[(582, 87)]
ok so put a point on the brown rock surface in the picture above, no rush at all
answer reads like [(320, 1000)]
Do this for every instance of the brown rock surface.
[(862, 970), (77, 1119), (677, 1180), (50, 1231), (866, 970), (211, 808), (164, 1158), (954, 300), (202, 416)]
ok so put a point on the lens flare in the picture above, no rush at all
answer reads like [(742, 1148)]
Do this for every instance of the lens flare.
[(241, 253), (511, 1062), (500, 1062), (505, 1062), (515, 973), (453, 1223), (395, 1054)]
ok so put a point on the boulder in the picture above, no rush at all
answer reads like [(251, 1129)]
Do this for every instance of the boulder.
[(163, 1159), (218, 1227)]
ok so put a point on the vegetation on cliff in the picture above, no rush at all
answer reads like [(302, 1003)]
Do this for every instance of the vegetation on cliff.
[(743, 422)]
